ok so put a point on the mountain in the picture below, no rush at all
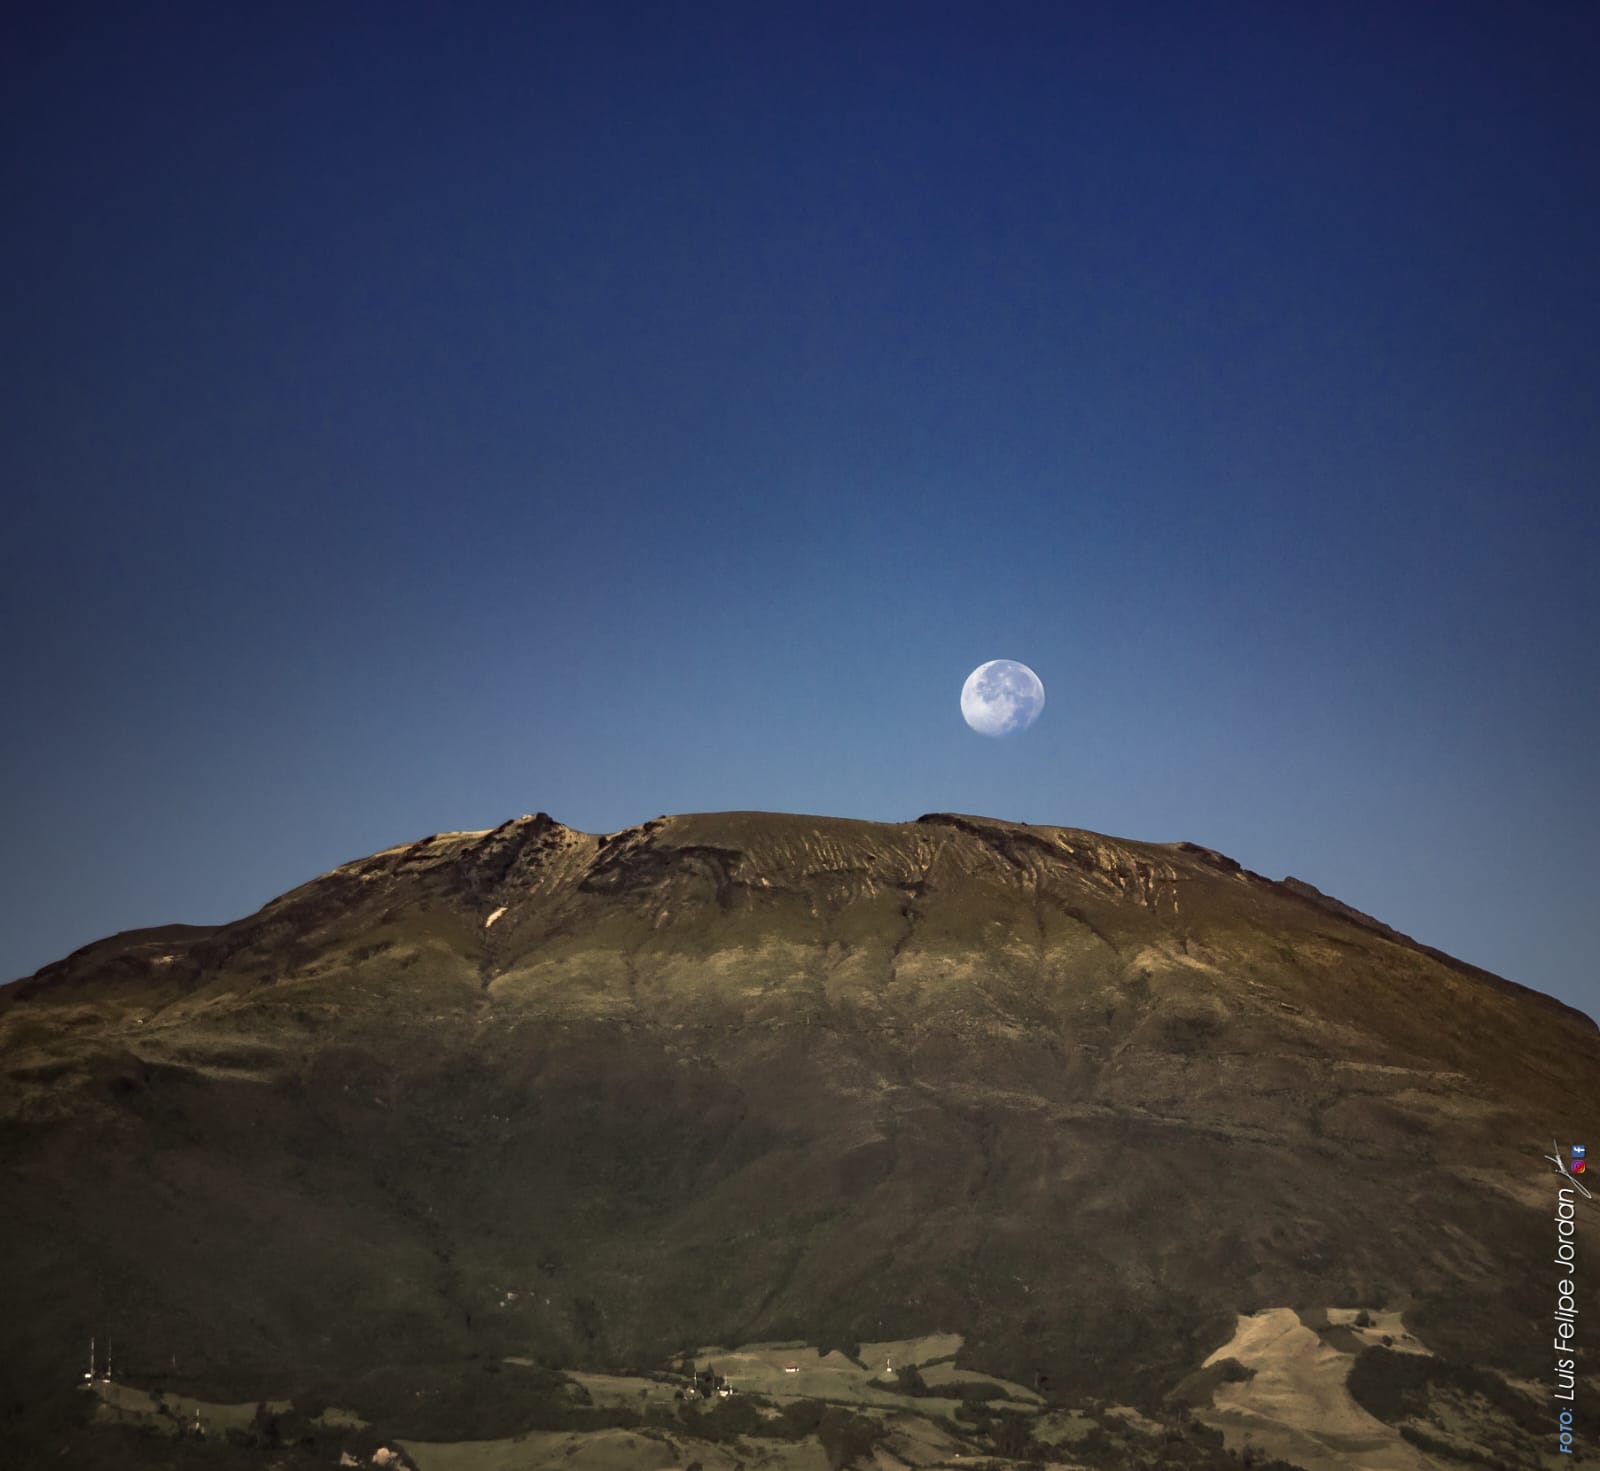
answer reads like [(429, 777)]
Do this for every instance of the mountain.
[(1099, 1107)]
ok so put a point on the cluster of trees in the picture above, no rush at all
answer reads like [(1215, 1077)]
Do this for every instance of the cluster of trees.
[(1396, 1386), (281, 1429), (1416, 1388), (1111, 1446), (703, 1382), (846, 1437), (1010, 1433), (299, 1428), (850, 1439)]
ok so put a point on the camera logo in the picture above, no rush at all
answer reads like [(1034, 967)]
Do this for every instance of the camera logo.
[(1578, 1164)]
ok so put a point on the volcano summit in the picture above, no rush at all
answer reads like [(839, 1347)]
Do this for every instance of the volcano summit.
[(1133, 1125)]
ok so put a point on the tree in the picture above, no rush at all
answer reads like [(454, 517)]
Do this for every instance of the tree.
[(265, 1425), (911, 1380), (846, 1438), (1012, 1435)]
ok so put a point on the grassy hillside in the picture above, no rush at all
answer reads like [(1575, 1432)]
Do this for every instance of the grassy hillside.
[(596, 1101)]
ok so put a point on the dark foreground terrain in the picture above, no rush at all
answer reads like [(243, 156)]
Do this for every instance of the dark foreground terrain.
[(532, 1102)]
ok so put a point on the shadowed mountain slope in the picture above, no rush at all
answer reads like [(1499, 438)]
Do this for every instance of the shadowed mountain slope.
[(733, 1077)]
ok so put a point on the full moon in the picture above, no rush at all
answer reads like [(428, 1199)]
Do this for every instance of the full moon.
[(1001, 697)]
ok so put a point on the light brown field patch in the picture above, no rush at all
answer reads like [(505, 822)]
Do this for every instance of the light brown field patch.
[(599, 1450), (122, 1402), (1297, 1406), (941, 1375), (925, 1350), (621, 1391), (764, 1368), (917, 1441), (609, 1450)]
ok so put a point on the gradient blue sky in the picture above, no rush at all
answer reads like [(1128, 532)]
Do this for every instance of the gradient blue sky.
[(418, 416)]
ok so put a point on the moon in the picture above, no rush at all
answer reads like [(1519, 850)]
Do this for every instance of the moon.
[(1001, 698)]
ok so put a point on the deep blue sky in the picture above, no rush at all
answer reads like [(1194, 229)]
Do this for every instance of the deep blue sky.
[(416, 416)]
